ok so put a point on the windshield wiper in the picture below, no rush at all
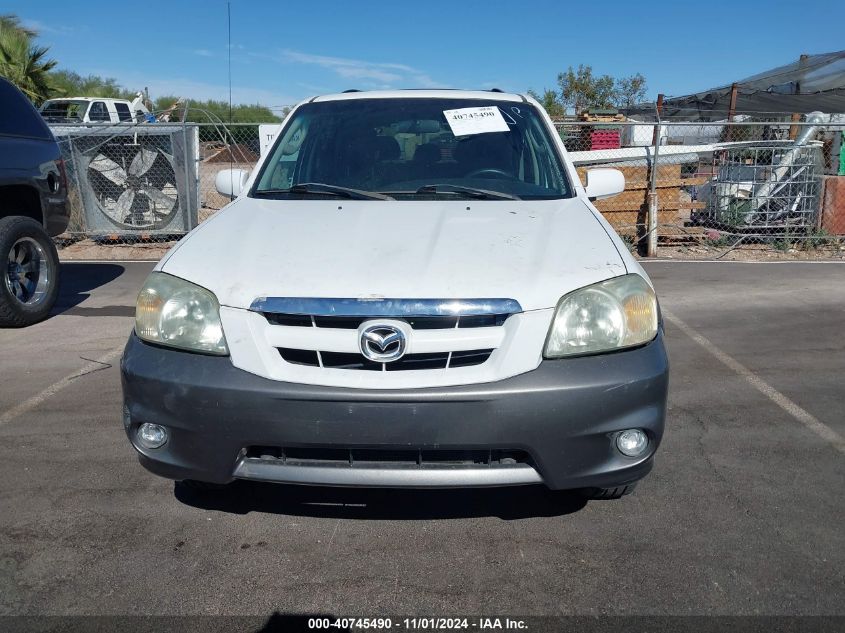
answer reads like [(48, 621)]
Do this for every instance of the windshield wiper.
[(473, 192), (325, 189)]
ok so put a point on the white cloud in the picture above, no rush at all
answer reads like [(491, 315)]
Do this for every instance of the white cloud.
[(381, 74), (41, 27), (203, 52), (200, 90)]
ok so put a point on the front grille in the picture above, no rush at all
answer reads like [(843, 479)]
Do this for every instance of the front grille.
[(417, 323), (341, 360), (388, 458), (325, 333)]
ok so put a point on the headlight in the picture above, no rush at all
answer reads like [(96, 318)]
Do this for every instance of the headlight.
[(172, 311), (611, 315)]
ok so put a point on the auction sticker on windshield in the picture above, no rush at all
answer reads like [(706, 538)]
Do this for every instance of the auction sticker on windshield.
[(466, 121)]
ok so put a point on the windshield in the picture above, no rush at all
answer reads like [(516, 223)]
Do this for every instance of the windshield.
[(58, 111), (414, 148)]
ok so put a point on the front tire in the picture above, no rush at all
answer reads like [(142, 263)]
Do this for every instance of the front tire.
[(30, 272)]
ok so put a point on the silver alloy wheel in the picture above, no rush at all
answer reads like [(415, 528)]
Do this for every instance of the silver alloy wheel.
[(28, 272)]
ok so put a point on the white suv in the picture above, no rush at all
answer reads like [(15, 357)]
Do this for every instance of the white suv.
[(411, 289)]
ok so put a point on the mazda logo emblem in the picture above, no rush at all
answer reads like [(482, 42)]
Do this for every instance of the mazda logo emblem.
[(382, 343)]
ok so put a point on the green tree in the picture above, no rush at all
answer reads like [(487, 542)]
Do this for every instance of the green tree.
[(550, 101), (164, 102), (580, 89), (67, 83), (213, 111), (630, 90), (22, 62), (11, 21)]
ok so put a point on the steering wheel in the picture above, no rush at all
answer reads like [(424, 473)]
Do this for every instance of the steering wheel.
[(490, 171)]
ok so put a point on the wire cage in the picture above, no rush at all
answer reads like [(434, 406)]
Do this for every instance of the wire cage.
[(772, 187), (131, 180)]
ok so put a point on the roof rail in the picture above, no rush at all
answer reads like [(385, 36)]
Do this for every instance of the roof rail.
[(351, 90)]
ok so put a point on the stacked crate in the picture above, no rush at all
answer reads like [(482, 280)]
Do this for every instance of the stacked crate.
[(603, 134), (628, 210), (603, 139)]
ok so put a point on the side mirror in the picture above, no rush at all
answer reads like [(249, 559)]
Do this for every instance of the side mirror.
[(604, 183), (231, 182)]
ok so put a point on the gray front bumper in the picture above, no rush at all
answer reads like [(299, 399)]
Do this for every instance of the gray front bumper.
[(564, 415)]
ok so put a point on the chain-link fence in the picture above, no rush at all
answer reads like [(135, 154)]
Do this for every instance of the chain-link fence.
[(720, 186), (133, 183), (744, 184)]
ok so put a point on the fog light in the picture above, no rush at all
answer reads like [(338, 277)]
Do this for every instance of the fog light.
[(632, 442), (152, 435)]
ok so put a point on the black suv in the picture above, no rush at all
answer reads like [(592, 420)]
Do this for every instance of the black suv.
[(33, 207)]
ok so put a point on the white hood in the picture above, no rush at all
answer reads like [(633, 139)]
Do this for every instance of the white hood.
[(533, 252)]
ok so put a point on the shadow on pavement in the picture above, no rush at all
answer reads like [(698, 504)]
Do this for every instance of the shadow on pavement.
[(521, 502), (76, 283)]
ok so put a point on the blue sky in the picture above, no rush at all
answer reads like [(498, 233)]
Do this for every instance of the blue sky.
[(285, 51)]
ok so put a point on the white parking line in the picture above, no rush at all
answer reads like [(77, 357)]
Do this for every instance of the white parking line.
[(804, 417), (56, 387)]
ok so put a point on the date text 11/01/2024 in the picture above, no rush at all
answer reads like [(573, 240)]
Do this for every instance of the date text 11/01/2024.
[(417, 624)]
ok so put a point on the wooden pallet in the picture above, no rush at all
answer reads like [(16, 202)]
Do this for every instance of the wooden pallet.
[(629, 209)]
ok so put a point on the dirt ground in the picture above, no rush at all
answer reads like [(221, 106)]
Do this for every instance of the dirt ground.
[(90, 250), (750, 252), (210, 200)]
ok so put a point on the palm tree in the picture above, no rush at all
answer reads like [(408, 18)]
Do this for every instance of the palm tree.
[(11, 21), (22, 62)]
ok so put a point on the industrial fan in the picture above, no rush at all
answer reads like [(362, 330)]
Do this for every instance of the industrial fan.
[(134, 182)]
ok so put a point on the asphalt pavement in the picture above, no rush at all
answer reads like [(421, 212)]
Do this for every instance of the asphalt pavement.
[(742, 515)]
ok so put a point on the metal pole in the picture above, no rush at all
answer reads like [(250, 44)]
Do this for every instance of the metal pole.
[(651, 237), (83, 225), (732, 105), (187, 161), (731, 135), (655, 138), (796, 116)]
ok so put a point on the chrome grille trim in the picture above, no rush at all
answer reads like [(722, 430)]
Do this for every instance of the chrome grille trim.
[(409, 362), (319, 307), (416, 323)]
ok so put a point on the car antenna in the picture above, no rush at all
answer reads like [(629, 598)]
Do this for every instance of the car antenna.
[(229, 24)]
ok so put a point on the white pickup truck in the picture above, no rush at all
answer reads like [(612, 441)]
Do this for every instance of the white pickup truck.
[(95, 110), (411, 289)]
